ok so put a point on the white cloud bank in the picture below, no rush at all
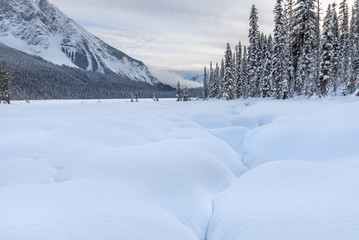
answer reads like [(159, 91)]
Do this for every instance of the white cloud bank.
[(171, 78), (172, 35)]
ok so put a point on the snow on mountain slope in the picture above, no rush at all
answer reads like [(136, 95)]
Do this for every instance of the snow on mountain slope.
[(38, 27)]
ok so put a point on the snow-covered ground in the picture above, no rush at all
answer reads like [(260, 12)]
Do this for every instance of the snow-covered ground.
[(217, 170)]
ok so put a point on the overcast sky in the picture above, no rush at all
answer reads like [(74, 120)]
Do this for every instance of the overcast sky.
[(175, 35)]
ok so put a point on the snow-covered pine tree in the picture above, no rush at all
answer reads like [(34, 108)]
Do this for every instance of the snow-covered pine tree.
[(253, 53), (267, 71), (238, 82), (234, 64), (221, 80), (304, 19), (185, 94), (239, 56), (244, 74), (261, 62), (334, 29), (354, 58), (228, 80), (316, 49), (290, 43), (344, 58), (327, 54), (179, 92), (5, 84), (279, 69), (205, 84), (212, 82), (216, 89), (355, 37)]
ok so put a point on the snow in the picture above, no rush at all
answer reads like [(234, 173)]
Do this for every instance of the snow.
[(322, 132), (111, 169), (47, 32), (293, 200), (52, 53)]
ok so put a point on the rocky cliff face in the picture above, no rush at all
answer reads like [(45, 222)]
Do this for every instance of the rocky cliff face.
[(39, 28)]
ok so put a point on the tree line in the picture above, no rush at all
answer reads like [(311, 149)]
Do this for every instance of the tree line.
[(306, 55)]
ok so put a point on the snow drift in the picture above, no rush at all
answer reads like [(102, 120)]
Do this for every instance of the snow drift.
[(174, 170)]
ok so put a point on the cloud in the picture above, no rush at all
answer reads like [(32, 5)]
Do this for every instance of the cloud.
[(172, 78), (169, 34)]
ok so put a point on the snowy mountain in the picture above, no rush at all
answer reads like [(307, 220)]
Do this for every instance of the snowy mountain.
[(40, 79), (37, 27)]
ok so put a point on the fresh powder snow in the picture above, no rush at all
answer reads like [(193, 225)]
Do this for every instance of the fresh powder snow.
[(215, 170)]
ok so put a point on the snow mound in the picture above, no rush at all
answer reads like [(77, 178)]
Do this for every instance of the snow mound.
[(324, 131), (112, 169), (289, 200), (109, 171)]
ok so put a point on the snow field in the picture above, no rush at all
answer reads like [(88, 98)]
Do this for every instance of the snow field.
[(289, 200), (109, 171), (173, 170), (319, 131)]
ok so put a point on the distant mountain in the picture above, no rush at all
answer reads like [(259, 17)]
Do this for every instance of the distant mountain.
[(39, 28), (36, 78)]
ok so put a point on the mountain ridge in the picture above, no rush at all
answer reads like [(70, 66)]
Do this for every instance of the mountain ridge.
[(39, 28), (36, 78)]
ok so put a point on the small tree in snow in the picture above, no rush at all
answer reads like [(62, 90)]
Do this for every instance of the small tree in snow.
[(179, 92), (205, 84), (5, 83), (185, 94)]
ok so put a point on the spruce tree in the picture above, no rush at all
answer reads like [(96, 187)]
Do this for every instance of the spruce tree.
[(244, 74), (304, 21), (212, 82), (267, 71), (185, 94), (205, 84), (228, 80), (221, 80), (217, 81), (279, 69), (238, 57), (327, 54), (354, 44), (289, 11), (179, 92), (253, 53), (355, 36), (238, 81), (261, 63), (334, 29), (344, 57), (234, 65)]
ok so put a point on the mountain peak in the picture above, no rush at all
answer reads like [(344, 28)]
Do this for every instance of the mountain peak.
[(40, 28)]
